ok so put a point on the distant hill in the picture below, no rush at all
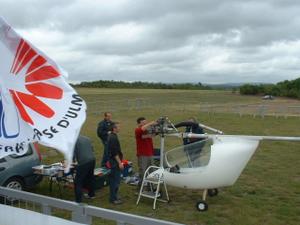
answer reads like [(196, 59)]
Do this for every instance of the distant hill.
[(225, 85)]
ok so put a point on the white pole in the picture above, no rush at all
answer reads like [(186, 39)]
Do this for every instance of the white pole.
[(162, 146)]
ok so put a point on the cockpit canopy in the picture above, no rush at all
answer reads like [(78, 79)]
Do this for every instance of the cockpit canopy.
[(192, 155)]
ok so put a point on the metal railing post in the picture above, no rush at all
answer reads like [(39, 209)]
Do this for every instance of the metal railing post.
[(79, 215), (46, 209)]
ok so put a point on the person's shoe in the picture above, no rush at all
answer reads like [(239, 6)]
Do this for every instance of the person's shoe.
[(117, 202), (88, 197)]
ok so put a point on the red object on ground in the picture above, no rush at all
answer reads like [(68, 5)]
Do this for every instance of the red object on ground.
[(124, 162)]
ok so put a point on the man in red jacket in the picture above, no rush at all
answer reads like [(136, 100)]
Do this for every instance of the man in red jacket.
[(144, 145)]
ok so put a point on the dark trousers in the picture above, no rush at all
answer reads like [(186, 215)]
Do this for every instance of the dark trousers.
[(84, 179), (114, 183), (105, 156)]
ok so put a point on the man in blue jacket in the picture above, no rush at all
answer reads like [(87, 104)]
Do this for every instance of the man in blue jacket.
[(192, 151), (102, 131), (191, 126)]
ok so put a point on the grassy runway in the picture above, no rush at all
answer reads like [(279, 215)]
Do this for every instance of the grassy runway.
[(267, 192)]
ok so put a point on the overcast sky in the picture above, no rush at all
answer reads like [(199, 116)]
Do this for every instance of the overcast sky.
[(208, 41)]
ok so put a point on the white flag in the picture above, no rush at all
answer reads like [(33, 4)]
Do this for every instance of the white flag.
[(36, 103)]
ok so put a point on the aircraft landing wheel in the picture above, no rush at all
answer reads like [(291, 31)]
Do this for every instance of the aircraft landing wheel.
[(202, 206), (213, 192)]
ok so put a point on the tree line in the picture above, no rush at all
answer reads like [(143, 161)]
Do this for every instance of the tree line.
[(142, 85), (285, 89)]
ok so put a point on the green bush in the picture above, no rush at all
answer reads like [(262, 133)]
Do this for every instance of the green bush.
[(285, 88)]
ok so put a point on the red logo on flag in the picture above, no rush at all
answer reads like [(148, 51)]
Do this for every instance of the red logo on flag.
[(38, 71)]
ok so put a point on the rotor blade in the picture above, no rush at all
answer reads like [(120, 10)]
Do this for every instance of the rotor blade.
[(251, 137)]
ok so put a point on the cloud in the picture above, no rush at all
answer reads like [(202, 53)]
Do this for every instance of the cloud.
[(211, 41)]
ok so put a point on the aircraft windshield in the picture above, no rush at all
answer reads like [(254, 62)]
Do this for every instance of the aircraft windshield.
[(190, 156)]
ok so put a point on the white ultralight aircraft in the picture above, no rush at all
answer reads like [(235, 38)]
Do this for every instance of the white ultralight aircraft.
[(214, 162)]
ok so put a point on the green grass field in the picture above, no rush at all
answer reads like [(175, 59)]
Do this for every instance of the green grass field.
[(267, 192)]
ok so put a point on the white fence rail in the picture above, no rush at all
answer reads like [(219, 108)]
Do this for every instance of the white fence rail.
[(80, 213), (256, 110)]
